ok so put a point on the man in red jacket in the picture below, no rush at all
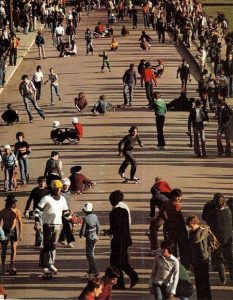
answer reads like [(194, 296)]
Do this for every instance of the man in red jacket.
[(77, 133)]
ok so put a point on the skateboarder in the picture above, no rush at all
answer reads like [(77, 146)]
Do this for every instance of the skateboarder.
[(10, 216), (125, 147)]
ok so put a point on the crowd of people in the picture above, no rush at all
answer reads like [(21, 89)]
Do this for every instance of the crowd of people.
[(187, 243)]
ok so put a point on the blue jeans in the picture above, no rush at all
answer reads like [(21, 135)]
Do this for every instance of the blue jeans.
[(29, 98), (149, 92), (160, 292), (146, 19), (8, 172), (90, 247), (54, 92), (23, 165), (128, 94)]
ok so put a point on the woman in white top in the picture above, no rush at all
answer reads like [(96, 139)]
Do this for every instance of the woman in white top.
[(38, 81)]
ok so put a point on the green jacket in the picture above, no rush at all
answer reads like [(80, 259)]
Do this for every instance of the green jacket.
[(160, 107)]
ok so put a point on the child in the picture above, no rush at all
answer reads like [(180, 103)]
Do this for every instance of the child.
[(90, 230), (8, 165), (105, 61), (80, 102), (114, 45), (102, 106)]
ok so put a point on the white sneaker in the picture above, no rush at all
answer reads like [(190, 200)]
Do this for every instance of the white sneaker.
[(46, 271), (53, 269), (70, 245)]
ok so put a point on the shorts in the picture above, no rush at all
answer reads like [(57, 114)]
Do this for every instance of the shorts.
[(11, 235)]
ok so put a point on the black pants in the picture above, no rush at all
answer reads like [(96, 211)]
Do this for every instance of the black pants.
[(161, 34), (38, 89), (159, 125), (66, 232), (201, 274), (129, 159), (13, 56), (120, 259)]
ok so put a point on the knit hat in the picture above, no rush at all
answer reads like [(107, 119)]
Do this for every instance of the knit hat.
[(56, 184), (88, 207), (75, 120), (7, 147)]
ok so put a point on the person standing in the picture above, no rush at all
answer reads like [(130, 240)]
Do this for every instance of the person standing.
[(14, 45), (161, 27), (89, 41), (165, 273), (9, 165), (160, 108), (28, 92), (90, 230), (148, 77), (22, 150), (53, 163), (105, 61), (224, 115), (125, 147), (54, 87), (37, 79), (10, 216), (199, 257), (129, 81), (40, 42), (228, 69), (52, 207), (184, 73), (120, 242), (196, 119)]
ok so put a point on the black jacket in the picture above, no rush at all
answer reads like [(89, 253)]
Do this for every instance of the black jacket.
[(228, 68), (192, 117)]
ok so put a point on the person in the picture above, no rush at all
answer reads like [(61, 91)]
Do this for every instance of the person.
[(202, 55), (114, 45), (222, 83), (58, 34), (212, 87), (66, 237), (110, 279), (184, 72), (162, 185), (199, 256), (9, 165), (37, 79), (102, 105), (196, 119), (124, 31), (89, 41), (120, 242), (165, 273), (129, 81), (134, 17), (145, 41), (90, 230), (160, 112), (220, 222), (52, 207), (224, 116), (228, 69), (35, 196), (79, 182), (40, 42), (53, 163), (22, 150), (28, 92), (148, 77), (92, 290), (174, 229), (80, 102), (10, 116), (159, 68), (161, 27), (77, 132), (125, 147), (105, 61), (10, 216), (14, 45), (54, 87)]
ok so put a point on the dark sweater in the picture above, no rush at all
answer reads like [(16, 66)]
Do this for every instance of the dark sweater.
[(36, 195)]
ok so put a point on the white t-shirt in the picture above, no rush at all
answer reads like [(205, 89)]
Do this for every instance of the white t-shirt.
[(38, 76), (52, 209)]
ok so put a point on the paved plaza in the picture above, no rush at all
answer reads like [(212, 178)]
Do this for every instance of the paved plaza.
[(97, 152)]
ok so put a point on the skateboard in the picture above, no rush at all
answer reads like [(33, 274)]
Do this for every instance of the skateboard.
[(11, 271), (127, 180)]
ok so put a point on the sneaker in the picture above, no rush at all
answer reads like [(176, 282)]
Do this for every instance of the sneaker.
[(70, 245), (46, 271), (53, 269), (31, 121), (122, 175)]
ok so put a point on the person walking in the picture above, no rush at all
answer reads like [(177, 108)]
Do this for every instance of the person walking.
[(53, 164), (54, 87), (40, 42), (38, 79), (28, 92), (14, 45), (105, 61), (129, 81), (199, 256), (196, 119), (125, 147), (184, 73), (90, 230), (89, 41), (228, 69), (148, 77), (160, 108), (22, 150), (165, 273), (9, 165), (120, 241)]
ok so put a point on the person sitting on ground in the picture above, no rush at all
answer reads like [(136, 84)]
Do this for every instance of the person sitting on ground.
[(102, 106), (77, 132), (10, 116), (58, 135), (62, 48), (112, 19), (71, 50), (99, 29), (181, 104), (80, 102), (79, 183), (159, 69), (114, 45), (108, 32), (92, 290), (162, 186), (145, 41), (110, 279), (124, 31)]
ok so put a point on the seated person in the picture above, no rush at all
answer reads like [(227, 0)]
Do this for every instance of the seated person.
[(114, 45), (10, 116), (112, 19), (99, 29), (80, 102), (102, 106), (79, 182), (62, 47), (71, 50), (124, 31), (144, 44), (181, 104), (145, 40), (108, 31), (159, 69)]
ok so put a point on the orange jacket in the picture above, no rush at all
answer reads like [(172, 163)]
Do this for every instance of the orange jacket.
[(148, 75)]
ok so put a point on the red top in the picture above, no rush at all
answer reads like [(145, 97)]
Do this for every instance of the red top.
[(106, 292), (89, 297), (149, 75), (78, 129), (100, 28), (162, 186)]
